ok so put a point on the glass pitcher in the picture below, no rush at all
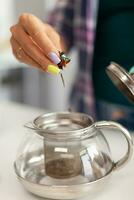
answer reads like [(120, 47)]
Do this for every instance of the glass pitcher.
[(65, 155)]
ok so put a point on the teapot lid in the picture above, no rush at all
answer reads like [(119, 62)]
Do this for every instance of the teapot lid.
[(122, 80)]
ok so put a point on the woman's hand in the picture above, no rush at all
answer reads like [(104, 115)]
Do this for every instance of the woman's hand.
[(36, 43)]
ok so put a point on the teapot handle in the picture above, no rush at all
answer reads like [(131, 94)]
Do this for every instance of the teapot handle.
[(114, 125)]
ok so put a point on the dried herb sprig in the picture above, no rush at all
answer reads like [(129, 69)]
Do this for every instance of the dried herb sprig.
[(64, 61)]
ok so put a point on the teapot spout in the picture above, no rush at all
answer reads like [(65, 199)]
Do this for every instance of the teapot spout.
[(29, 125)]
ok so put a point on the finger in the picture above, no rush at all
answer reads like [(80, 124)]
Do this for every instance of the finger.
[(53, 36), (23, 57), (29, 46), (20, 54), (35, 28), (56, 38)]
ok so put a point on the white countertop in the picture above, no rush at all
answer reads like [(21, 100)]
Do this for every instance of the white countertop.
[(12, 118)]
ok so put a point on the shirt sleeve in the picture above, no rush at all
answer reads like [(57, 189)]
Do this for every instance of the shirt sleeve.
[(61, 18)]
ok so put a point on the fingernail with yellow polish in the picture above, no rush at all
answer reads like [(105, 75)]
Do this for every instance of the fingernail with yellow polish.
[(53, 69)]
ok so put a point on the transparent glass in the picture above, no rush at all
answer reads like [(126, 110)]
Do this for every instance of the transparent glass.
[(62, 154)]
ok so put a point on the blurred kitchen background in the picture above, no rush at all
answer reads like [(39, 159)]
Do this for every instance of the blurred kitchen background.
[(24, 84)]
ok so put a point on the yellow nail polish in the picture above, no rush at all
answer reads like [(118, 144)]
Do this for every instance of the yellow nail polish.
[(53, 69)]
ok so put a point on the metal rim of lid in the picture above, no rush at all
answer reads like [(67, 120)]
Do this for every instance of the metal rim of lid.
[(116, 72)]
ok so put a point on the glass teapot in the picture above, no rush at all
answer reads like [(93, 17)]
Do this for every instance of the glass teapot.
[(65, 155)]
